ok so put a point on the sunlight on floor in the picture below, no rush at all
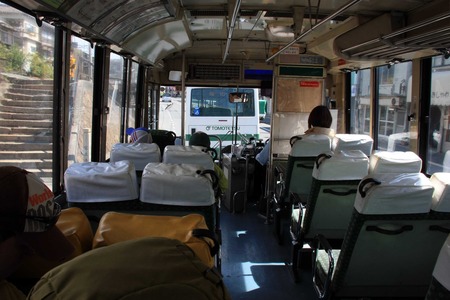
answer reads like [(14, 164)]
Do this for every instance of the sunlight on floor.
[(247, 275), (241, 232)]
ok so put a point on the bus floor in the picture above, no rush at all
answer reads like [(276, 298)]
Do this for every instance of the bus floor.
[(254, 265)]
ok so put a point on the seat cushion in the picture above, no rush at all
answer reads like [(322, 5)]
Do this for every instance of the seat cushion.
[(117, 227)]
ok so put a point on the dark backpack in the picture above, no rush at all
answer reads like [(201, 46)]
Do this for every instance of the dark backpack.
[(147, 268)]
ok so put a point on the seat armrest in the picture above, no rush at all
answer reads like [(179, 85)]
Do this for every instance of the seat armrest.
[(297, 199)]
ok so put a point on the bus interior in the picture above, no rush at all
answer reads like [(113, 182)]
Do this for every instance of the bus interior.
[(75, 75)]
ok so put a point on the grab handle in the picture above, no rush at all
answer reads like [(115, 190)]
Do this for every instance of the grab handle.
[(365, 185)]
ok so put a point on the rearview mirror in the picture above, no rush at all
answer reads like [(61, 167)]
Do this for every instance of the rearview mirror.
[(238, 97)]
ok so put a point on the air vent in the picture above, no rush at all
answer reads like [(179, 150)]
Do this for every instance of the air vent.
[(215, 72)]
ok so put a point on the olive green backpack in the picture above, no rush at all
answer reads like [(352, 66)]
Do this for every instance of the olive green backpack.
[(147, 268)]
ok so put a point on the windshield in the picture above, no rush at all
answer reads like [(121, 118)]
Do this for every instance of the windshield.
[(213, 102)]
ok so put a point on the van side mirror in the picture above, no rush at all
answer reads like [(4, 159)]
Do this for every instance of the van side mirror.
[(238, 97)]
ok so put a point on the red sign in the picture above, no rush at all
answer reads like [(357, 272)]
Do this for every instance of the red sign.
[(309, 84), (341, 62)]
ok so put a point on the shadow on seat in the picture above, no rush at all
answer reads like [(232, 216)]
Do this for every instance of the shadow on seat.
[(330, 202)]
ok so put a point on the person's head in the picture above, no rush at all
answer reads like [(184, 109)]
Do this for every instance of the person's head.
[(199, 138), (28, 214), (320, 116), (139, 135)]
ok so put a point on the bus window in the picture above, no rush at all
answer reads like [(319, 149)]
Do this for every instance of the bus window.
[(27, 70), (209, 110), (115, 96), (438, 154), (80, 102), (360, 102), (393, 107), (132, 95)]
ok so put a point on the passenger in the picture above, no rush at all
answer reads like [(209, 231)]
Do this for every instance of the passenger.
[(319, 121), (27, 226), (199, 138), (139, 135)]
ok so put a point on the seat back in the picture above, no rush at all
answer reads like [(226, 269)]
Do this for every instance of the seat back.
[(389, 249), (301, 163), (440, 283), (179, 154), (347, 141), (333, 191), (163, 138), (139, 153), (395, 162), (91, 182), (176, 184)]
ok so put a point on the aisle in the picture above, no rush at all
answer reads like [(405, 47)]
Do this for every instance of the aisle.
[(254, 266)]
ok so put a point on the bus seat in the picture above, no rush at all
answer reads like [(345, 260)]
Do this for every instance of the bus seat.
[(163, 138), (330, 202), (176, 184), (389, 249), (180, 154), (116, 227), (101, 182), (140, 153), (440, 283), (297, 176), (179, 188), (361, 142), (74, 224), (394, 162), (441, 195)]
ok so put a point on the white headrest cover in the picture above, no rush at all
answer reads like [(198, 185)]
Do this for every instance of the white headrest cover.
[(408, 193), (172, 169), (310, 145), (140, 153), (176, 184), (441, 195), (179, 154), (345, 165), (101, 181), (363, 142), (394, 162), (441, 270)]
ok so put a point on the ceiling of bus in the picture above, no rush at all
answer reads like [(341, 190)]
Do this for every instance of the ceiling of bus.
[(154, 30)]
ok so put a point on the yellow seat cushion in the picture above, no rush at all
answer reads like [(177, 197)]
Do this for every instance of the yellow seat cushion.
[(116, 227)]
